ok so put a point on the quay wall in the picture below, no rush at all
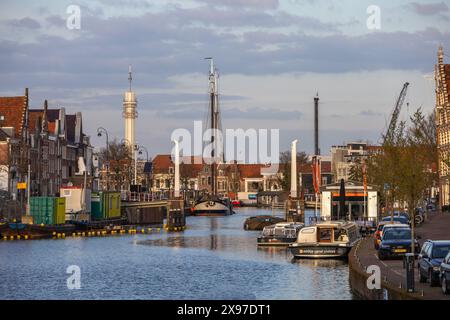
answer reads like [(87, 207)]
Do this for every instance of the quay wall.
[(358, 281)]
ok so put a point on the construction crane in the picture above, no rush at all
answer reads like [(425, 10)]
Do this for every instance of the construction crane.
[(389, 136)]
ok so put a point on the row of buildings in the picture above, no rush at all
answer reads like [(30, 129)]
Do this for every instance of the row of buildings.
[(40, 148), (44, 146), (239, 180)]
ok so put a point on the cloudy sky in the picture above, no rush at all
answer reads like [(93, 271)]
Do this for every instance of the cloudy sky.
[(272, 55)]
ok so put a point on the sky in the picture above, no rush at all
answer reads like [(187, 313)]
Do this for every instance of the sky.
[(273, 56)]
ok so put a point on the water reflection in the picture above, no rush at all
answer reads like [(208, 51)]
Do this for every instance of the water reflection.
[(213, 259)]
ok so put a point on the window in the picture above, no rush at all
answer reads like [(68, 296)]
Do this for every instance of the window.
[(325, 234), (425, 247)]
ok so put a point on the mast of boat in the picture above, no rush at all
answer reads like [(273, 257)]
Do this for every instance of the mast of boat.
[(213, 106)]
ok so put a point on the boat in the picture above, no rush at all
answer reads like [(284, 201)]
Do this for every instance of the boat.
[(257, 223), (280, 234), (332, 239), (211, 204)]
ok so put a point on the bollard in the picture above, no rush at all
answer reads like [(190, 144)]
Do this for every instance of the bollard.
[(63, 235), (25, 237), (18, 237)]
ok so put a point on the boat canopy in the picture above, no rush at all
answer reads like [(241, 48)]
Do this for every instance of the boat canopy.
[(282, 229), (329, 232)]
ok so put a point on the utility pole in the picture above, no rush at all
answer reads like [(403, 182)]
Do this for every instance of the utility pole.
[(316, 125), (101, 130)]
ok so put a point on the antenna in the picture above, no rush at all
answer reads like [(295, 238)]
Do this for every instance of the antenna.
[(212, 64), (129, 75)]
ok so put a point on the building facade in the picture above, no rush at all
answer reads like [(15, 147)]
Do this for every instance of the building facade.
[(46, 145), (442, 81), (345, 157)]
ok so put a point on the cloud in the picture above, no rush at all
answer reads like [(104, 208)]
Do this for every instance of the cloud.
[(429, 9), (55, 20), (27, 23), (255, 4), (370, 113)]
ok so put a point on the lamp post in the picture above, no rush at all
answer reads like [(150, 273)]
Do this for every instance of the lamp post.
[(140, 148), (100, 131)]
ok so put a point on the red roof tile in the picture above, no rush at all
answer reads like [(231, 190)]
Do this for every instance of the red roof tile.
[(162, 163), (250, 170), (13, 110)]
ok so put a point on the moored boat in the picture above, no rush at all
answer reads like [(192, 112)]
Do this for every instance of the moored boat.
[(212, 206), (257, 223), (333, 239), (280, 234)]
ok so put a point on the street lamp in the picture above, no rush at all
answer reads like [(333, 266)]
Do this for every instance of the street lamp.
[(140, 148), (100, 131)]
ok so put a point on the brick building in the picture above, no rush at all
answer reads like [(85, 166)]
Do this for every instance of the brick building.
[(442, 80), (49, 141)]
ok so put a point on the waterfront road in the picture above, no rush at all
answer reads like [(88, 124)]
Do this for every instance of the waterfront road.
[(437, 227)]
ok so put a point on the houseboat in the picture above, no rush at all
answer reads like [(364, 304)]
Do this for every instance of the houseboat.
[(332, 239), (280, 234)]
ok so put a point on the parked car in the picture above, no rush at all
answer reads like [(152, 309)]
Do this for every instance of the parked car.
[(444, 274), (396, 242), (430, 258), (398, 218), (379, 232)]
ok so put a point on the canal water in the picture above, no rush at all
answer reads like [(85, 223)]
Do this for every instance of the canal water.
[(213, 259)]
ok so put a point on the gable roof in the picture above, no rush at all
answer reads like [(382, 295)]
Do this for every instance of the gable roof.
[(250, 170), (162, 163), (14, 109), (34, 116)]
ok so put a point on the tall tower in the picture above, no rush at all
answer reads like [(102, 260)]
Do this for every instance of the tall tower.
[(129, 115), (316, 125)]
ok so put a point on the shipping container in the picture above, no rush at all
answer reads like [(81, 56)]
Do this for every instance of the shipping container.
[(48, 210), (96, 207), (105, 205), (77, 199)]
